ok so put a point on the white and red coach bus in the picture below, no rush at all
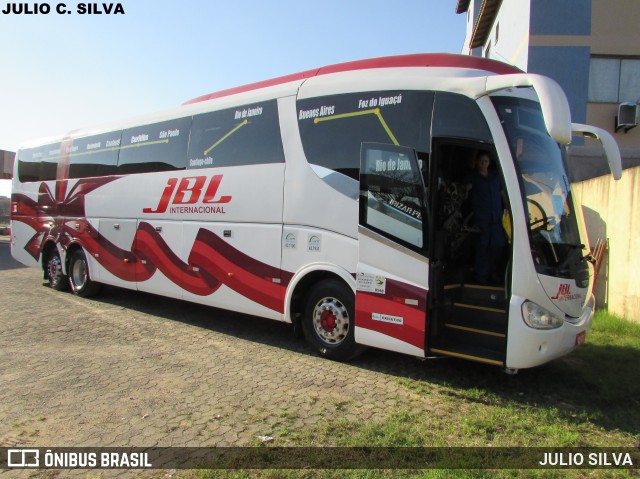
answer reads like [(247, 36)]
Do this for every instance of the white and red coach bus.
[(335, 199)]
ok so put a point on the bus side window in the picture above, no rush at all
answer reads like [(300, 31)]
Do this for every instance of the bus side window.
[(392, 194), (457, 116), (156, 147), (28, 168), (38, 164), (244, 135), (332, 128), (95, 155)]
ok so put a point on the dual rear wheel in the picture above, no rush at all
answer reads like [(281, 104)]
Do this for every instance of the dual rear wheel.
[(78, 279), (53, 267)]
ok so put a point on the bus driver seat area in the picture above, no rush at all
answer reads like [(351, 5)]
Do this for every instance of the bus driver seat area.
[(454, 218)]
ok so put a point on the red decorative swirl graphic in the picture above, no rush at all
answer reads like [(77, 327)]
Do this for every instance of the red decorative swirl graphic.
[(212, 262), (47, 215)]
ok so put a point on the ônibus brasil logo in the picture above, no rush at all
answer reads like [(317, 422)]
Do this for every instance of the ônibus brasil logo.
[(191, 191)]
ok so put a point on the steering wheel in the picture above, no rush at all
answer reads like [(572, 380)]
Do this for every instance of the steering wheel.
[(538, 224)]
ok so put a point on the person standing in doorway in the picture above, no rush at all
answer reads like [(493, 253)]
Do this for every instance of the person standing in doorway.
[(485, 192)]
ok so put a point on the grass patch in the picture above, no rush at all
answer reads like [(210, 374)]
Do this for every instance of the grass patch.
[(590, 398)]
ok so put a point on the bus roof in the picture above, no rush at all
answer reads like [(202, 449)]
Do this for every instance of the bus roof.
[(434, 60), (482, 66)]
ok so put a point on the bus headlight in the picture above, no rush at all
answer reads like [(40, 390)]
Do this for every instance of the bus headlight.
[(539, 318)]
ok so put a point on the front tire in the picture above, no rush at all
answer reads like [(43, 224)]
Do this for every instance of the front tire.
[(55, 276), (328, 322), (79, 279)]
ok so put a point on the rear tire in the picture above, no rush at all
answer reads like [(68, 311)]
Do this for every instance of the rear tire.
[(55, 276), (328, 322), (79, 279)]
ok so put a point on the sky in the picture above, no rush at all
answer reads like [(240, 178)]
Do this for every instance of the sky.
[(60, 72)]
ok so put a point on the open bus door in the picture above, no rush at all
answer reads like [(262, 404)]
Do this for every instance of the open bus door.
[(393, 269), (467, 318)]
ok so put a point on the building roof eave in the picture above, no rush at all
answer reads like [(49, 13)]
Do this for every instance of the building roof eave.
[(462, 6), (487, 16)]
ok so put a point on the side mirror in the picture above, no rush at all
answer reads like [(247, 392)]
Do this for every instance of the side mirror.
[(610, 146)]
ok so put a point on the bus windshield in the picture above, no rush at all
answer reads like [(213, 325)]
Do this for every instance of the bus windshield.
[(553, 226)]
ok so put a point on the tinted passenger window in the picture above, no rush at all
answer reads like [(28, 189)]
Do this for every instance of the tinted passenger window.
[(458, 116), (38, 164), (246, 135), (157, 147), (392, 194), (333, 128), (95, 155)]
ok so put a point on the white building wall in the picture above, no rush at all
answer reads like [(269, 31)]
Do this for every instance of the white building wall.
[(470, 16), (509, 37)]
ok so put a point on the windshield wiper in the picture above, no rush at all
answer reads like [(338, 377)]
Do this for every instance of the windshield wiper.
[(565, 267)]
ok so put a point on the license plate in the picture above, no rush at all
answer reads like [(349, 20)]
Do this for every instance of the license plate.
[(580, 338)]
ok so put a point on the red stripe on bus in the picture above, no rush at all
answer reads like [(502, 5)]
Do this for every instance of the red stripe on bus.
[(412, 329), (434, 60)]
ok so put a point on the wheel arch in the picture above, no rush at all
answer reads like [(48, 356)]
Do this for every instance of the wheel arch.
[(304, 279)]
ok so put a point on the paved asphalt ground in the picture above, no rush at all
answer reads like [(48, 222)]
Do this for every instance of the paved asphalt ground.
[(134, 369)]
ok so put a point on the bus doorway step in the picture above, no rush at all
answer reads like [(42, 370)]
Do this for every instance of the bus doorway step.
[(476, 326), (466, 351)]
